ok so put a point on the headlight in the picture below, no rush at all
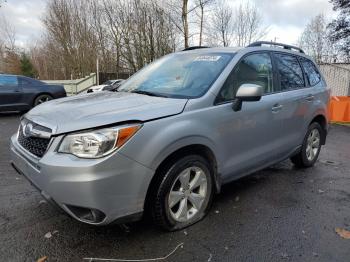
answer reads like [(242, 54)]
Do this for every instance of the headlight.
[(97, 143)]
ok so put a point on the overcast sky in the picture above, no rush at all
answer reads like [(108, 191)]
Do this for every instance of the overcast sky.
[(285, 18)]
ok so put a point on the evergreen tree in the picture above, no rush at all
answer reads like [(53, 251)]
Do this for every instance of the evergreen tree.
[(340, 27), (27, 67)]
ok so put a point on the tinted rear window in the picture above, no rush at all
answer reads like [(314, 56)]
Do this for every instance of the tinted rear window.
[(290, 73), (312, 74)]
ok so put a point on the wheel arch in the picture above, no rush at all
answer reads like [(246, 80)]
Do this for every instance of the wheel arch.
[(40, 94), (322, 121), (198, 149)]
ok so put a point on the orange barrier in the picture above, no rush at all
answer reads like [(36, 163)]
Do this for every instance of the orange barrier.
[(339, 109)]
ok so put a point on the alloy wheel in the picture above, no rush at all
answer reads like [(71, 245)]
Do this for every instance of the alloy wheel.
[(187, 194), (43, 99), (313, 144)]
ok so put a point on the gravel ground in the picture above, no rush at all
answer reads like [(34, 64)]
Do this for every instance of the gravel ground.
[(278, 214)]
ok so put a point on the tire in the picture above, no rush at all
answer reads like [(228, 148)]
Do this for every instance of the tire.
[(311, 147), (42, 99), (175, 194)]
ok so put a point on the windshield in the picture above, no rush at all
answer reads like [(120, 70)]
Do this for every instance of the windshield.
[(180, 75), (109, 82)]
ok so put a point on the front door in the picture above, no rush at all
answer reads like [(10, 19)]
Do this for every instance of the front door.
[(10, 93), (250, 138)]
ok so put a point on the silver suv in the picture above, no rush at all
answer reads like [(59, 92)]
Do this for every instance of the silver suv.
[(174, 133)]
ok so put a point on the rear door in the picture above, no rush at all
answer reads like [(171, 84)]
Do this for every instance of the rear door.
[(10, 92), (249, 138), (294, 90)]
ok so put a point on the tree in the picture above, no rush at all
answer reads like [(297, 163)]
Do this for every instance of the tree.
[(185, 21), (222, 23), (340, 27), (124, 35), (202, 4), (247, 25), (315, 42), (1, 2), (9, 58), (240, 26), (27, 68)]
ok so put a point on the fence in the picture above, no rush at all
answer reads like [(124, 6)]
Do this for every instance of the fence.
[(75, 86), (337, 77)]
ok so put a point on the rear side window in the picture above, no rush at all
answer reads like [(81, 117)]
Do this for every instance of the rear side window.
[(8, 81), (253, 69), (24, 81), (312, 74), (290, 73)]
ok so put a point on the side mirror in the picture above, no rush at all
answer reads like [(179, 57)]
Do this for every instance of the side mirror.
[(247, 92)]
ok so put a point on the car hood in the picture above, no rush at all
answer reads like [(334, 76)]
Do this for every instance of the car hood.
[(97, 87), (103, 108)]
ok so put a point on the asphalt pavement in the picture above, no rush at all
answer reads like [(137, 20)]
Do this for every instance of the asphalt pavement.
[(278, 214)]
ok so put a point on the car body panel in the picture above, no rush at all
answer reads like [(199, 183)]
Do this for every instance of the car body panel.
[(241, 142), (101, 87), (102, 108), (89, 183)]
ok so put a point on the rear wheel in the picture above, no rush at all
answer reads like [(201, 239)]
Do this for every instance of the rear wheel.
[(42, 99), (184, 194), (311, 147)]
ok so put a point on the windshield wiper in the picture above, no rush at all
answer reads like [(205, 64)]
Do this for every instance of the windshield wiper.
[(143, 92)]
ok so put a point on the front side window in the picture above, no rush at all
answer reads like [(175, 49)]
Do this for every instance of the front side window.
[(290, 73), (8, 81), (180, 75), (312, 74), (253, 69)]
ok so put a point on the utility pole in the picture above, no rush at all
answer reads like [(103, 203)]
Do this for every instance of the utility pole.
[(97, 72)]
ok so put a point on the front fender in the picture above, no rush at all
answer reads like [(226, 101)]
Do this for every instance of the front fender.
[(157, 139)]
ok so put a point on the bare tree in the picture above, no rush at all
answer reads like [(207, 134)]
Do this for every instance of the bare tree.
[(124, 35), (315, 42), (1, 2), (127, 34), (247, 25), (185, 21), (201, 4), (9, 55), (222, 23), (7, 33)]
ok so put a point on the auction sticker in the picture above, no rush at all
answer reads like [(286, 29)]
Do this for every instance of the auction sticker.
[(209, 58)]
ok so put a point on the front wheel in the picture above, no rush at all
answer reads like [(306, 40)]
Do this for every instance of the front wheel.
[(311, 147), (42, 99), (184, 194)]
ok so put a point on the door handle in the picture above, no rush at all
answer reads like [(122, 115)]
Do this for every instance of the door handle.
[(310, 98), (276, 108)]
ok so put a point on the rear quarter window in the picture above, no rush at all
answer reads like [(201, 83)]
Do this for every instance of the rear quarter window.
[(312, 74), (290, 72), (24, 82)]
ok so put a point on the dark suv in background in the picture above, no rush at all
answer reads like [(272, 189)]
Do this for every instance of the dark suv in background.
[(20, 93)]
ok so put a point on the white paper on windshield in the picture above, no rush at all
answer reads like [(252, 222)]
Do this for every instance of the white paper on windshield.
[(209, 58)]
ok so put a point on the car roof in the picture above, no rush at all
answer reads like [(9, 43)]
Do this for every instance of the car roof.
[(277, 48), (3, 74)]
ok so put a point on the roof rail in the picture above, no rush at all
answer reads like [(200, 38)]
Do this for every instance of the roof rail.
[(194, 47), (284, 46)]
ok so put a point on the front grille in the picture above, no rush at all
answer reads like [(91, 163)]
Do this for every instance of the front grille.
[(35, 145)]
